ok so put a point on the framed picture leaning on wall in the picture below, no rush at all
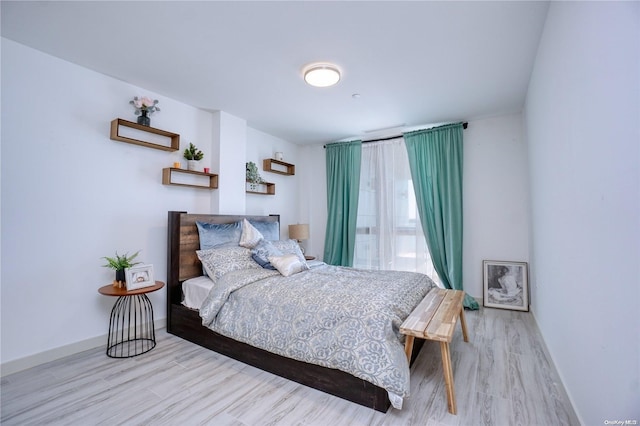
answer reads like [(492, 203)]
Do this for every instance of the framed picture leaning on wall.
[(506, 285)]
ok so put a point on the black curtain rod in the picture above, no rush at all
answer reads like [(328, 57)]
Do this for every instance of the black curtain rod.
[(464, 126)]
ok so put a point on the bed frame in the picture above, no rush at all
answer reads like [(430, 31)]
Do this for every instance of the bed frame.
[(183, 263)]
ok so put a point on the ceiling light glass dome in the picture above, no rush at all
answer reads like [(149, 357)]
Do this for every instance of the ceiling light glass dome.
[(321, 75)]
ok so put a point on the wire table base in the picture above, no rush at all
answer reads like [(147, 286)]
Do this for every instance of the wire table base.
[(131, 327)]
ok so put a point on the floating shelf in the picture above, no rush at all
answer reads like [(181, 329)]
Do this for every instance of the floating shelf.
[(271, 189), (267, 166), (167, 175), (119, 122)]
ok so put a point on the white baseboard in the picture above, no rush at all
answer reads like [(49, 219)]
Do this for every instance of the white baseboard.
[(575, 417), (30, 361)]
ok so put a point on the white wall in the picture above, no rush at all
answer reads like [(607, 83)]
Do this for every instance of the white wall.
[(583, 129), (496, 196), (230, 150), (495, 201), (260, 146), (313, 198), (70, 195)]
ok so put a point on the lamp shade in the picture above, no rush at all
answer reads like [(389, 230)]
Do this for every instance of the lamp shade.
[(299, 231)]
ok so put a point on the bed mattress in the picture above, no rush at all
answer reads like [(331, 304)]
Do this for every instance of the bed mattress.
[(195, 290)]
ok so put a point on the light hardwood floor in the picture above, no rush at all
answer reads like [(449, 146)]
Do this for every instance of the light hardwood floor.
[(502, 377)]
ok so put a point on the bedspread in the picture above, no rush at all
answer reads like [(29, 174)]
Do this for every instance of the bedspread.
[(336, 317)]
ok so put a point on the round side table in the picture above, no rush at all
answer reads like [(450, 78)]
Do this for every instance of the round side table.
[(131, 331)]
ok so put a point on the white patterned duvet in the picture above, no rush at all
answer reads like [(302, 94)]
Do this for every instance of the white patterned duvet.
[(336, 317)]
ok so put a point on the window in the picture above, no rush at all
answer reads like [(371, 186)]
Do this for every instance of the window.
[(389, 235)]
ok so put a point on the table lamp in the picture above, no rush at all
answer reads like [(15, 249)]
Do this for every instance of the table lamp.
[(299, 232)]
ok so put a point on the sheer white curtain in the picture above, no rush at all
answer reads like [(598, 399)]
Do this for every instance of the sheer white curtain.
[(389, 235)]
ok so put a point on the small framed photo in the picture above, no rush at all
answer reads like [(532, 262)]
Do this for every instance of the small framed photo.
[(139, 277), (506, 285)]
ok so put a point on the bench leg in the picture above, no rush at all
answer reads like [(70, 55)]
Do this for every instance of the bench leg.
[(448, 377), (408, 347), (463, 324)]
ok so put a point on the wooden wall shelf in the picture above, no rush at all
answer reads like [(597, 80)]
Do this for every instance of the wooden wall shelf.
[(271, 189), (119, 122), (267, 166), (167, 175)]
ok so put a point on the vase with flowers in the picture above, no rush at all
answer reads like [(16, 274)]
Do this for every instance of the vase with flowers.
[(144, 108)]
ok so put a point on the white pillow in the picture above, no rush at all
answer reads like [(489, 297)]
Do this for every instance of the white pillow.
[(290, 247), (250, 235), (287, 264)]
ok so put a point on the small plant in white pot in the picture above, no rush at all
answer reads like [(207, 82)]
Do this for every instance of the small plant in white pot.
[(193, 155)]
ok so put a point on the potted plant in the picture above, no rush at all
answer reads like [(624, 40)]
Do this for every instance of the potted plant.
[(120, 263), (253, 177), (192, 155)]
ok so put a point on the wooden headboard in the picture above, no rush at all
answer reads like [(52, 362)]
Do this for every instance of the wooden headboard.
[(183, 241)]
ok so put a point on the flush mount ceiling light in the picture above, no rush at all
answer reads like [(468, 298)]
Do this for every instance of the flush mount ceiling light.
[(321, 75)]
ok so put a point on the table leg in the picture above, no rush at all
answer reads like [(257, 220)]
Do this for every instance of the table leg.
[(448, 377), (463, 324), (408, 347)]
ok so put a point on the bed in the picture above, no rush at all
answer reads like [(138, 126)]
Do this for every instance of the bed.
[(183, 264)]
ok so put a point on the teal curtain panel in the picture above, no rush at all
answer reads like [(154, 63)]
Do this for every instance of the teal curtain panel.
[(435, 160), (343, 187)]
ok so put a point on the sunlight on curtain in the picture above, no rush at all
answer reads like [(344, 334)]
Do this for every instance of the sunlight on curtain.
[(388, 231)]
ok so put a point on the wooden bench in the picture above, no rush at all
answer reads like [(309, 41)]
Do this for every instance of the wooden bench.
[(435, 319)]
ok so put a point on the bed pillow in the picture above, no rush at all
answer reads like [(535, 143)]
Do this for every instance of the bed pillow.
[(287, 264), (269, 230), (250, 235), (219, 234), (291, 247), (261, 252), (219, 261)]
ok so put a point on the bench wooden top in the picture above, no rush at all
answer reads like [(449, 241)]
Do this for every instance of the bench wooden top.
[(436, 316)]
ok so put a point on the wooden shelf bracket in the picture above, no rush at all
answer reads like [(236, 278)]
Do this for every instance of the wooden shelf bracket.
[(116, 136), (267, 165), (167, 178)]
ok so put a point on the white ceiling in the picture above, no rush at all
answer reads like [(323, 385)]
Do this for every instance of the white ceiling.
[(412, 63)]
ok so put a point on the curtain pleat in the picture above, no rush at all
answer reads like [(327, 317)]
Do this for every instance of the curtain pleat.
[(343, 186), (435, 160)]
